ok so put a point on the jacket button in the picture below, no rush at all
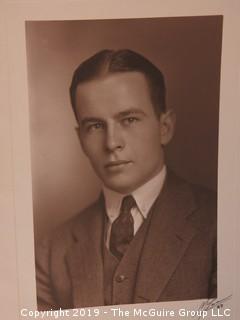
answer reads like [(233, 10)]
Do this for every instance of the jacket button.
[(120, 278)]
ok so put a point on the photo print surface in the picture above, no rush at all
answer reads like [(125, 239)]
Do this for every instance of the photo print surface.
[(146, 99)]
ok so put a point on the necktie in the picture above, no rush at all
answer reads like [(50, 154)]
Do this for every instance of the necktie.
[(122, 228)]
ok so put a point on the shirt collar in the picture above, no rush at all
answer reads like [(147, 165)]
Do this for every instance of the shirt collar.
[(144, 196)]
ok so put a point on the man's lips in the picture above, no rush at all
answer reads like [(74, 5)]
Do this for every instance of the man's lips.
[(117, 164)]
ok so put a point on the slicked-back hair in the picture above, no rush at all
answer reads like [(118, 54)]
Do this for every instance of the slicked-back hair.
[(115, 61)]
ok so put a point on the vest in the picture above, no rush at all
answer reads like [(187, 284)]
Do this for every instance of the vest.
[(120, 276)]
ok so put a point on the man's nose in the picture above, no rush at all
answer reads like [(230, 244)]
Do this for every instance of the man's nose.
[(114, 139)]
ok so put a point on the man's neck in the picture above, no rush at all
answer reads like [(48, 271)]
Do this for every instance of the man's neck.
[(144, 196)]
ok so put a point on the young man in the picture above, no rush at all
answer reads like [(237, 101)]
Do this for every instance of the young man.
[(150, 236)]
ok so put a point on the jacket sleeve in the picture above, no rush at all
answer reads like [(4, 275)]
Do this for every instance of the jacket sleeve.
[(45, 294), (212, 293)]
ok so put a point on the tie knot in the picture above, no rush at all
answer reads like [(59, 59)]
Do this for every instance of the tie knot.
[(128, 203)]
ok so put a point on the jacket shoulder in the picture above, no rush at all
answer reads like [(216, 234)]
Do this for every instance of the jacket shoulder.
[(202, 199), (63, 236)]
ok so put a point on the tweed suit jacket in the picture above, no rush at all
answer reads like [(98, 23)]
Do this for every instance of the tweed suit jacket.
[(178, 259)]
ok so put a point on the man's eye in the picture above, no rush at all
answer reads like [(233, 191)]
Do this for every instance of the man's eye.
[(130, 120), (95, 126)]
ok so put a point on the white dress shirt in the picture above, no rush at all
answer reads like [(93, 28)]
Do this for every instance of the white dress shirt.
[(144, 197)]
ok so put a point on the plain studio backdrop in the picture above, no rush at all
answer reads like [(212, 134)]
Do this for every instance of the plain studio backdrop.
[(187, 50)]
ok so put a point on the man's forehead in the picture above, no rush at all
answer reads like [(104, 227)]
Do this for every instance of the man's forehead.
[(118, 79), (113, 95)]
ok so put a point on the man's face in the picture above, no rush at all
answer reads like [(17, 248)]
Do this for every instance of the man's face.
[(119, 131)]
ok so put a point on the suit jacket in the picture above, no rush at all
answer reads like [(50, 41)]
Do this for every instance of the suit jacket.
[(178, 260)]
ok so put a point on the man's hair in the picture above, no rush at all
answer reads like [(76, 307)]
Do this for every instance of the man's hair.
[(113, 61)]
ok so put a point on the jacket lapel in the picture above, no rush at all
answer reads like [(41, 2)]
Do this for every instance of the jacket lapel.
[(169, 236), (85, 258)]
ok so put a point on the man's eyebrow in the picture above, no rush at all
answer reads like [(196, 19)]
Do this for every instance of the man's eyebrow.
[(130, 111), (121, 114), (87, 120)]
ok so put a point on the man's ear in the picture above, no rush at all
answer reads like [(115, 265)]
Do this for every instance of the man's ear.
[(167, 126)]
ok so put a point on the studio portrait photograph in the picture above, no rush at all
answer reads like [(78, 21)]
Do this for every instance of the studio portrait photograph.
[(124, 136)]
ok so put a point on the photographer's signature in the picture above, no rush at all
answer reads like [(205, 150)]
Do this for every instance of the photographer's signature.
[(213, 303)]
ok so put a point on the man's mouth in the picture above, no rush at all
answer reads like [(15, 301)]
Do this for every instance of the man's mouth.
[(116, 165)]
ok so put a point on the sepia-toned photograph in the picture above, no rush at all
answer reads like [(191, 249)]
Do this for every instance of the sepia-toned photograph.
[(124, 122), (119, 137)]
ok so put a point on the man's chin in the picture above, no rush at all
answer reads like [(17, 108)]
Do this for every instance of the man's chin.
[(120, 187)]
